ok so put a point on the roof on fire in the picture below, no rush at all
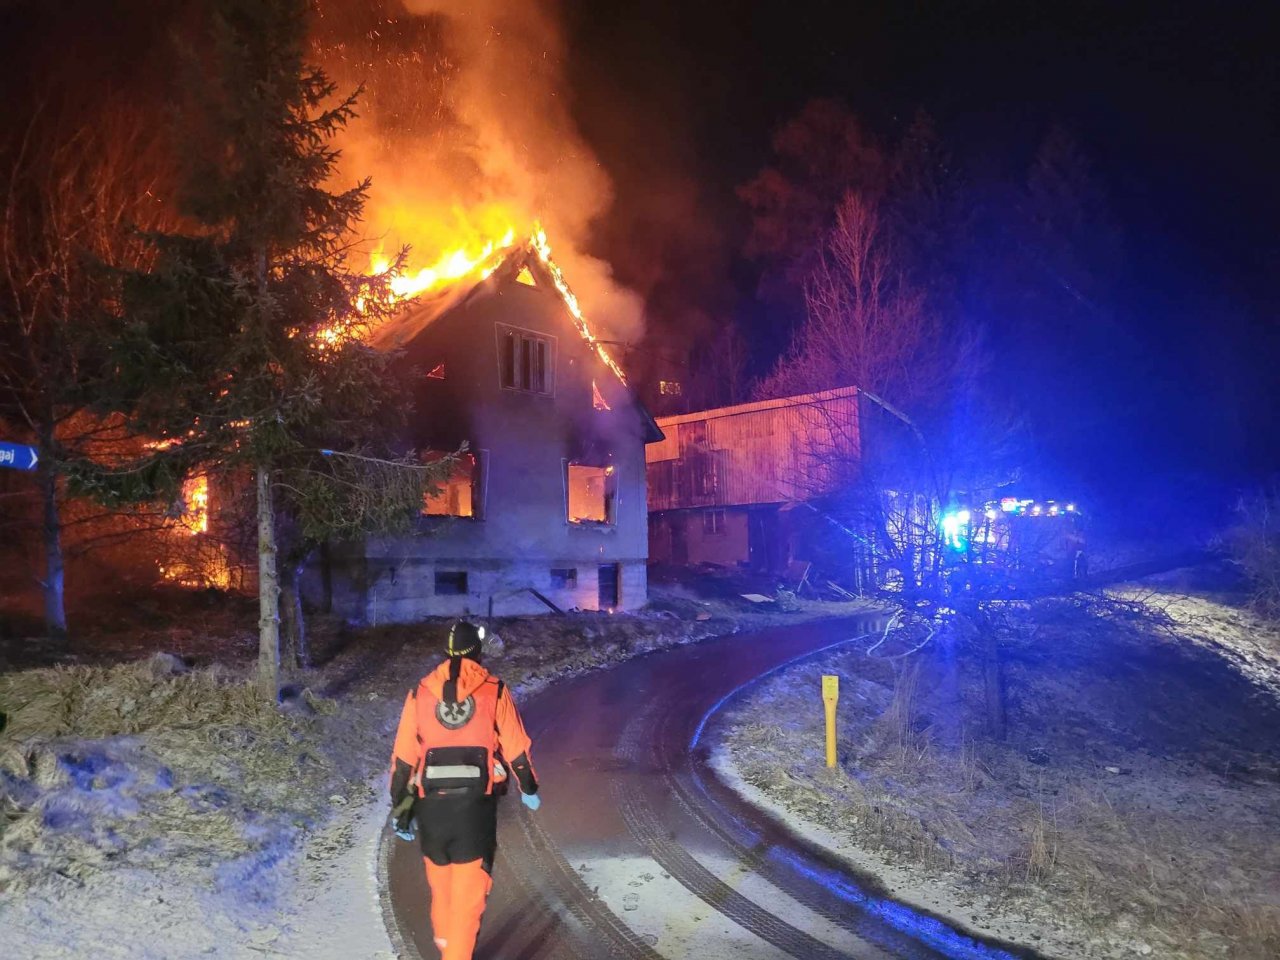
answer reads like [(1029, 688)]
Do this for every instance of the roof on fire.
[(510, 266)]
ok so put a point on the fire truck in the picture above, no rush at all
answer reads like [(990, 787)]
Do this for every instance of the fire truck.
[(1014, 542)]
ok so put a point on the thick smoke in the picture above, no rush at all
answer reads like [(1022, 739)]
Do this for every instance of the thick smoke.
[(466, 128)]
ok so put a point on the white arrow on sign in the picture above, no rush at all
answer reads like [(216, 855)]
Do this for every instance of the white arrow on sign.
[(13, 455)]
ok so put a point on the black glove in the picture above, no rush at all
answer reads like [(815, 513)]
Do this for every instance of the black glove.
[(402, 818)]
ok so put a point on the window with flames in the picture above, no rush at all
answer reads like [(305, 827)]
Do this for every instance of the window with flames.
[(592, 493), (459, 494)]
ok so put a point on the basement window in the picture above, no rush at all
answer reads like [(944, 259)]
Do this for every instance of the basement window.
[(451, 583), (524, 360), (713, 522), (458, 494), (592, 492), (564, 578)]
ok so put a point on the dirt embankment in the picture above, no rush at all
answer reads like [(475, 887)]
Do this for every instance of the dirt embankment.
[(1132, 809)]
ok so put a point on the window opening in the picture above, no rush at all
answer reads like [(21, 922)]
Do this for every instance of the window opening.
[(456, 495), (451, 582), (525, 276), (592, 493), (564, 578), (705, 478), (713, 522), (195, 504), (670, 388), (525, 362), (437, 372)]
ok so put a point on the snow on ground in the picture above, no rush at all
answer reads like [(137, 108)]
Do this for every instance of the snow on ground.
[(1132, 810), (1218, 623), (151, 811), (920, 888), (325, 907)]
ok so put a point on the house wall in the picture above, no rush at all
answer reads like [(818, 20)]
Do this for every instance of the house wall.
[(524, 443), (775, 451), (729, 547)]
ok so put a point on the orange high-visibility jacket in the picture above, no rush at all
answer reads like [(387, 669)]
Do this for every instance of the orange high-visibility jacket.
[(452, 726)]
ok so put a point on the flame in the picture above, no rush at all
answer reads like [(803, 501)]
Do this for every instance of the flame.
[(195, 504), (452, 266), (543, 249), (198, 562), (597, 398), (475, 260)]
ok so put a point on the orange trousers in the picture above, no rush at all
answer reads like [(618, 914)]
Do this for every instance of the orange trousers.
[(458, 895)]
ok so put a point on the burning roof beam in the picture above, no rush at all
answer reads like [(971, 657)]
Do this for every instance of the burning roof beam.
[(479, 264)]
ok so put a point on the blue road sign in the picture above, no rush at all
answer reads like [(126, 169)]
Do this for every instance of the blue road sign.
[(15, 456)]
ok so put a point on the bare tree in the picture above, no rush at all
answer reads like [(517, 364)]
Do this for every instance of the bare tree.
[(871, 476), (864, 322), (718, 369), (71, 200)]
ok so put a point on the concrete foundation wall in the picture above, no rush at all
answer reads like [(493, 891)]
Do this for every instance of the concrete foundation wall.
[(377, 591)]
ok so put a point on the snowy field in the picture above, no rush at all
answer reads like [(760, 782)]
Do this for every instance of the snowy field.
[(1131, 811)]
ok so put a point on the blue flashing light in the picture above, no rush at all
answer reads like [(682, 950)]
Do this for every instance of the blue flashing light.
[(955, 528)]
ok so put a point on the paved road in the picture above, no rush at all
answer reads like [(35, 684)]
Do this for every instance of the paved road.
[(640, 853)]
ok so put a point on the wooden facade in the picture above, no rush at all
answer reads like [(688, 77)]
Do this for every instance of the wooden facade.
[(727, 487), (770, 452)]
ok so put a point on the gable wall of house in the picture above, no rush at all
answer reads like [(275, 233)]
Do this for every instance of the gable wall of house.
[(524, 442)]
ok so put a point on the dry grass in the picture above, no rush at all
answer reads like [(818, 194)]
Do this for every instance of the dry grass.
[(1171, 857), (147, 696), (144, 762)]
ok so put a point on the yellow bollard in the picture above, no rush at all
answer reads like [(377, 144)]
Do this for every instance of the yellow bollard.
[(830, 695)]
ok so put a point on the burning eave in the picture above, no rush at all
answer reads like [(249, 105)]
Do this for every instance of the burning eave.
[(524, 261)]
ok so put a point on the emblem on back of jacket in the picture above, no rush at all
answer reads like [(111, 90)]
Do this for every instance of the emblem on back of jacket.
[(455, 715)]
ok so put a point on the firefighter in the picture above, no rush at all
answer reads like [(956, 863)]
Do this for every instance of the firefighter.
[(458, 730)]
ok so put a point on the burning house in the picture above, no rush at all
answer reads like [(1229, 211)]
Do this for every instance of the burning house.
[(734, 486), (546, 506)]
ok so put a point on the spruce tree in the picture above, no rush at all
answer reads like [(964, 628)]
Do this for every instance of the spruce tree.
[(242, 347)]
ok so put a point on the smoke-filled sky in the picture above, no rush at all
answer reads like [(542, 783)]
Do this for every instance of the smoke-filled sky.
[(466, 129), (627, 129)]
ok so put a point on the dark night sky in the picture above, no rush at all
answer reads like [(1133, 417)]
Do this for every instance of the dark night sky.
[(1174, 103)]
